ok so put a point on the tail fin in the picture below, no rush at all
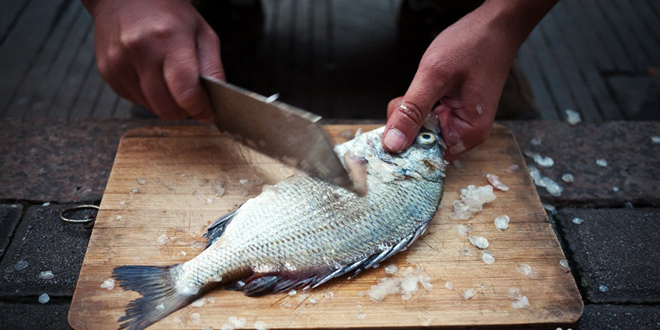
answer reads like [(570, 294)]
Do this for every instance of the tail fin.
[(159, 298)]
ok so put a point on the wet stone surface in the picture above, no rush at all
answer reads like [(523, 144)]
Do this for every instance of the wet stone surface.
[(597, 317), (632, 173), (9, 216), (616, 253), (30, 314), (44, 243), (61, 161)]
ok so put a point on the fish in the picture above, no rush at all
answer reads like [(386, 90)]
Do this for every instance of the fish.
[(302, 232)]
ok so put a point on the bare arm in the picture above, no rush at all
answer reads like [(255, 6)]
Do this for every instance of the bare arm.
[(461, 75)]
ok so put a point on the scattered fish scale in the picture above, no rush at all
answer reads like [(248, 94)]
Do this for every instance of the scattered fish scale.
[(478, 241), (540, 160), (487, 257), (108, 284), (496, 183), (468, 294), (527, 270), (518, 301), (550, 185), (471, 201), (44, 298), (502, 222), (405, 285), (46, 275), (572, 117)]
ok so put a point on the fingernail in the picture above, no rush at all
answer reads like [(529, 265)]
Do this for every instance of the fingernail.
[(394, 139)]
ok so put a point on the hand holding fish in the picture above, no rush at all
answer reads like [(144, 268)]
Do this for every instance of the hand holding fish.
[(152, 52), (461, 76)]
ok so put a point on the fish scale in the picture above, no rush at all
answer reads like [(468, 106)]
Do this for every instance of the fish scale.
[(303, 232)]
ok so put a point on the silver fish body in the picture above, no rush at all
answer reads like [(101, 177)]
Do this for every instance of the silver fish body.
[(303, 232)]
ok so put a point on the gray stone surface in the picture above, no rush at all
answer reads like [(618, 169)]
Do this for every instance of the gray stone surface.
[(47, 244), (59, 160), (9, 216), (616, 253), (632, 173), (603, 317), (30, 314)]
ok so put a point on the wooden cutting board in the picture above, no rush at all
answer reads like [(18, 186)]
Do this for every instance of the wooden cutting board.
[(166, 187)]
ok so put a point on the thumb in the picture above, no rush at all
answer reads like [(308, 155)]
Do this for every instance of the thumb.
[(406, 115)]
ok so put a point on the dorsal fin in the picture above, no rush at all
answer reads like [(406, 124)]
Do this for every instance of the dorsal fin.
[(215, 229)]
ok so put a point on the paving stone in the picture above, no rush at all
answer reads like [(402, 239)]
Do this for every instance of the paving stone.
[(59, 160), (617, 317), (9, 216), (632, 173), (25, 315), (45, 243), (616, 253)]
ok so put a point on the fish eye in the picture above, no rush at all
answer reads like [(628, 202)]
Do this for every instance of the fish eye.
[(426, 139)]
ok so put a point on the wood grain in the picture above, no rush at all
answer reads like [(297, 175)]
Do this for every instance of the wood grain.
[(162, 222)]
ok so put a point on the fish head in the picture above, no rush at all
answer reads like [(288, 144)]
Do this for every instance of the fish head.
[(424, 159)]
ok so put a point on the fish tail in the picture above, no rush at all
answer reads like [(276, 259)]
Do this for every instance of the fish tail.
[(159, 296)]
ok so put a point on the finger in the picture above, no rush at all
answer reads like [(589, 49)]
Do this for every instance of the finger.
[(210, 64), (158, 95), (394, 103), (120, 75), (460, 135), (208, 52), (181, 73), (467, 106), (406, 118), (130, 89)]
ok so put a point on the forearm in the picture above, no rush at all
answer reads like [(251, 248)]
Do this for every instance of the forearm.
[(514, 18)]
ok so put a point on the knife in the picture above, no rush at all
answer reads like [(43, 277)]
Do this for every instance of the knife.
[(279, 130)]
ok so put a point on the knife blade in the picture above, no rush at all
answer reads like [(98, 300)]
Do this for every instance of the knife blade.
[(279, 130)]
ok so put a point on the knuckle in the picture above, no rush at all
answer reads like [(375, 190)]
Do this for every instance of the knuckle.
[(436, 69), (210, 37), (103, 68), (411, 112), (187, 99), (114, 57), (137, 40), (162, 31), (131, 41)]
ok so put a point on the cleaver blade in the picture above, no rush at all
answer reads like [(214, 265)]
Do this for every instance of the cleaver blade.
[(279, 130)]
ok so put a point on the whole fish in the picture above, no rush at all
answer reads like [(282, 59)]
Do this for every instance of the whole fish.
[(303, 232)]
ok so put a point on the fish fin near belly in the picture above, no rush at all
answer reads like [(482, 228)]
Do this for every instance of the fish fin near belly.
[(215, 229), (260, 284), (159, 298), (373, 260)]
